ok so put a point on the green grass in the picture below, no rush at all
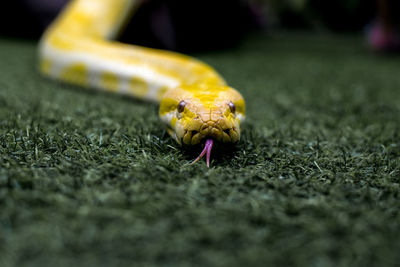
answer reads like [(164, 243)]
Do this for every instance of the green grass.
[(92, 179)]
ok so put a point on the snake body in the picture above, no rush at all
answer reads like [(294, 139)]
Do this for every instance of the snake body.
[(196, 104)]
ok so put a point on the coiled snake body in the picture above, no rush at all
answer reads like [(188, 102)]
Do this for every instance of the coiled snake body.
[(196, 105)]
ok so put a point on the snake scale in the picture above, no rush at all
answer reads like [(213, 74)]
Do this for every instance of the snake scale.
[(196, 104)]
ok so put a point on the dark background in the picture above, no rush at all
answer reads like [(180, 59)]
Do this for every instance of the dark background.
[(202, 25)]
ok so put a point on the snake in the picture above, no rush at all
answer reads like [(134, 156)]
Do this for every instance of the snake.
[(196, 105)]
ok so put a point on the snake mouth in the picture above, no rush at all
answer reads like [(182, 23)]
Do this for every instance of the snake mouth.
[(210, 135), (194, 137)]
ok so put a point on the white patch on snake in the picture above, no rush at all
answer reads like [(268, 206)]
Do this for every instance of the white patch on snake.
[(124, 85), (96, 66), (167, 118), (240, 117)]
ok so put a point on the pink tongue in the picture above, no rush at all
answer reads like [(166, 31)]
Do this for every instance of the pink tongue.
[(207, 149)]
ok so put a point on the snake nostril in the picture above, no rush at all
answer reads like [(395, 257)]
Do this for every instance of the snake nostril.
[(194, 132), (226, 131)]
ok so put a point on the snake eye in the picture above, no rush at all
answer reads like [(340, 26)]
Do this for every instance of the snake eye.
[(232, 107), (181, 106)]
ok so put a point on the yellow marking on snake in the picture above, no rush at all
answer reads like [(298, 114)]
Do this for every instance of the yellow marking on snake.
[(196, 104), (76, 73), (109, 80), (138, 86), (45, 66)]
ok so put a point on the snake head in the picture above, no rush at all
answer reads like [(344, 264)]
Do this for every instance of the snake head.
[(195, 113)]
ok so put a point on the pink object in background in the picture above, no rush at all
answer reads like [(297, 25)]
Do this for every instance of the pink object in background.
[(381, 38)]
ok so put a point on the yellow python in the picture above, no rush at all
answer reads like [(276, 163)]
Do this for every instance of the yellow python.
[(195, 103)]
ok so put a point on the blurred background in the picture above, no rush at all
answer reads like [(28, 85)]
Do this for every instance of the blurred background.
[(203, 25), (88, 179)]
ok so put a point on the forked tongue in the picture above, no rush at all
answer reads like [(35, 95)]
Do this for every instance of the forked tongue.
[(207, 150)]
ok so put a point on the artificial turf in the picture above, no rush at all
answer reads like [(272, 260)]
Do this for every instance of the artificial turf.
[(91, 179)]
